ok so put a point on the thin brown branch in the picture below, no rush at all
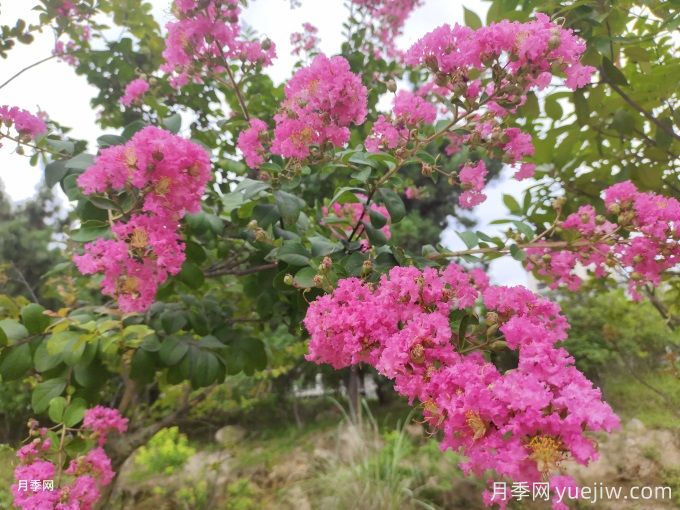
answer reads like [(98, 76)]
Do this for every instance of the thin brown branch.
[(672, 321), (239, 272), (16, 75), (668, 130)]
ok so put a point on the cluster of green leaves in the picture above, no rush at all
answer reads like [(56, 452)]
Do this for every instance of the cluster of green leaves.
[(609, 333)]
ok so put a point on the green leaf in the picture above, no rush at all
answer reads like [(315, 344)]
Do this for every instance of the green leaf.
[(293, 253), (89, 231), (43, 360), (75, 412), (191, 275), (525, 229), (132, 128), (247, 355), (80, 162), (322, 246), (232, 201), (172, 350), (623, 121), (142, 367), (553, 108), (512, 204), (173, 321), (13, 330), (54, 172), (581, 107), (173, 123), (394, 204), (15, 362), (471, 18), (109, 140), (611, 73), (304, 278), (530, 107), (3, 338), (517, 253), (56, 409), (377, 219), (102, 202), (34, 319), (289, 206), (375, 236), (469, 238), (45, 392), (346, 194), (204, 368), (251, 187), (61, 145)]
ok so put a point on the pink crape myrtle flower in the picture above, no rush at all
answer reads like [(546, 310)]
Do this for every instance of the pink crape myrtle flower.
[(86, 474), (250, 143), (134, 92), (27, 125), (203, 36), (473, 180), (385, 19), (102, 420), (410, 111), (322, 101), (643, 241), (171, 174), (305, 42), (520, 424)]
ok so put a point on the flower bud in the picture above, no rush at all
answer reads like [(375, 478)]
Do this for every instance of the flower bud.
[(498, 345), (491, 330), (288, 279), (366, 267), (559, 202), (442, 79), (614, 208), (326, 263), (391, 85), (318, 280), (599, 219), (492, 318), (635, 276)]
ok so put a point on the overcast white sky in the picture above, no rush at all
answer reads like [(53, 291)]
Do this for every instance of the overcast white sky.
[(55, 88)]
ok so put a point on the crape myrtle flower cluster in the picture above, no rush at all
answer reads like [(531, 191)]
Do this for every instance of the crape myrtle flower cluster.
[(410, 111), (489, 71), (169, 174), (321, 101), (73, 31), (207, 34), (79, 486), (305, 42), (26, 125), (643, 239), (386, 19), (522, 423), (134, 91)]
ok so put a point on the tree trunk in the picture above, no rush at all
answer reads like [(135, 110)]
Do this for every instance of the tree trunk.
[(353, 395)]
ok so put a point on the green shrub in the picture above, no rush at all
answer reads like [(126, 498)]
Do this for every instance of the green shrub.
[(166, 452)]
